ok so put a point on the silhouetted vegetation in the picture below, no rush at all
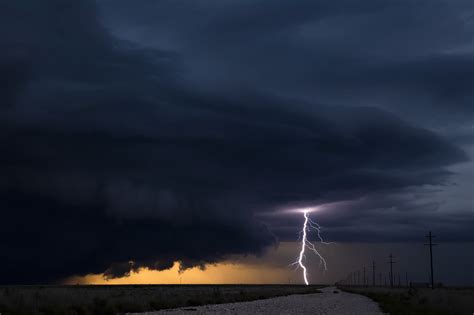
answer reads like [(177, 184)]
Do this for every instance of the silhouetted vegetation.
[(417, 301), (104, 300)]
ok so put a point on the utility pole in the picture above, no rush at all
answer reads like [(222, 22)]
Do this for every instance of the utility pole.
[(391, 262), (431, 244), (364, 277), (373, 273)]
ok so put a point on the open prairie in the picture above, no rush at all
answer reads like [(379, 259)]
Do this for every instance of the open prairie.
[(103, 299), (405, 301)]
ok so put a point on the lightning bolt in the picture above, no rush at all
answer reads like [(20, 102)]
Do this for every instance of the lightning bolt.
[(306, 244)]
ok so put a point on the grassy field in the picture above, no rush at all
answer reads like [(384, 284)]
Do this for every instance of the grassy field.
[(106, 300), (404, 301)]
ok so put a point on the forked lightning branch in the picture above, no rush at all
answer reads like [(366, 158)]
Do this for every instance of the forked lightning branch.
[(309, 226)]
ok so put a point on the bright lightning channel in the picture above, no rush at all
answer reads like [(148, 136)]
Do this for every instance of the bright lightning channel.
[(306, 244)]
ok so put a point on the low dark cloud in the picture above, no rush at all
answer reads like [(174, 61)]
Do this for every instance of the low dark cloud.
[(410, 58), (113, 159)]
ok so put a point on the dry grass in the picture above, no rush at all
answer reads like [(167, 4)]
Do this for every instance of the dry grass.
[(404, 301), (106, 300)]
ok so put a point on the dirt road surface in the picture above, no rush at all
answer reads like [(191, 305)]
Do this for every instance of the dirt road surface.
[(326, 303)]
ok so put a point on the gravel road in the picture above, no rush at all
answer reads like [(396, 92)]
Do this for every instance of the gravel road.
[(327, 303)]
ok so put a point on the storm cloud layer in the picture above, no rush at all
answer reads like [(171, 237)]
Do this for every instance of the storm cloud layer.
[(121, 151)]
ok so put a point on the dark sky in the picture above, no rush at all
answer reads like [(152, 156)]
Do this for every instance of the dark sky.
[(161, 131)]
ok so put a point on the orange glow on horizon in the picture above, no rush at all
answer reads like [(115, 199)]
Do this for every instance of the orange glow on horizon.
[(248, 270), (222, 273)]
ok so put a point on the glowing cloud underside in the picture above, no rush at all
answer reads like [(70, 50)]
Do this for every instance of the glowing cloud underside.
[(308, 226)]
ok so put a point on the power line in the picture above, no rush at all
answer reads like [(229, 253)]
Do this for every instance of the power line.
[(364, 277), (373, 273), (431, 244), (391, 262)]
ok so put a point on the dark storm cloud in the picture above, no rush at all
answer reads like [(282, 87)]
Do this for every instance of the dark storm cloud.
[(44, 239), (382, 216), (113, 160), (408, 57), (12, 80)]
